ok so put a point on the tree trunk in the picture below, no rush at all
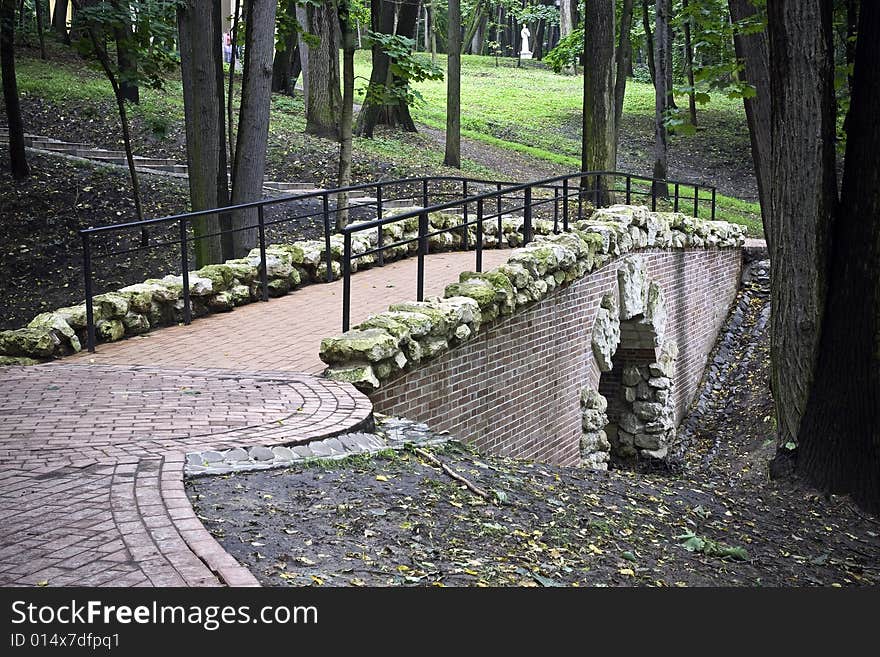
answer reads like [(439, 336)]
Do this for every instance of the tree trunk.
[(599, 151), (374, 111), (201, 71), (472, 27), (661, 100), (753, 50), (345, 127), (566, 25), (324, 99), (253, 120), (538, 49), (18, 165), (623, 64), (286, 66), (59, 20), (38, 5), (802, 202), (452, 157), (126, 57), (839, 449), (649, 42), (432, 35), (689, 66), (230, 93), (670, 41)]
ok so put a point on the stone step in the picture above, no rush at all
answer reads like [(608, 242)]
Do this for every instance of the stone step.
[(289, 186)]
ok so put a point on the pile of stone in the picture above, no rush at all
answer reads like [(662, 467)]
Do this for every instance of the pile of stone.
[(595, 446), (408, 333), (138, 308)]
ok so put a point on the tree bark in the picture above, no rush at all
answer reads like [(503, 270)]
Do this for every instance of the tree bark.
[(599, 151), (38, 6), (623, 64), (803, 199), (472, 26), (689, 66), (661, 100), (201, 70), (753, 50), (286, 66), (18, 165), (839, 448), (324, 102), (452, 158), (230, 92), (126, 57), (432, 34), (649, 41), (538, 48), (345, 127), (670, 44), (253, 120), (59, 20)]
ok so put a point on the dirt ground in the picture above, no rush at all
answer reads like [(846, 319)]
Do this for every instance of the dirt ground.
[(715, 518)]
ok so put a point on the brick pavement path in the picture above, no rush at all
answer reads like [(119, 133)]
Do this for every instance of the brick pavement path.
[(285, 333), (91, 465)]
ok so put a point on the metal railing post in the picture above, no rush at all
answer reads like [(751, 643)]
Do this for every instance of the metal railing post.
[(555, 209), (628, 189), (565, 205), (675, 205), (596, 198), (527, 215), (696, 201), (653, 195), (464, 237), (425, 193), (184, 273), (423, 250), (480, 235), (264, 267), (90, 309), (346, 282), (328, 256), (713, 204), (380, 240)]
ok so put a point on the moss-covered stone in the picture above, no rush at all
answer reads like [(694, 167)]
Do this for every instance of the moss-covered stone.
[(242, 270), (9, 361), (135, 324), (55, 322), (361, 376), (370, 345), (32, 342), (75, 316), (140, 296), (480, 291), (416, 323), (110, 305), (387, 323), (241, 295), (221, 302), (110, 330), (278, 287), (221, 276)]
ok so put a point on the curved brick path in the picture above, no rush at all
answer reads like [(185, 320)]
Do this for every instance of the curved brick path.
[(91, 465)]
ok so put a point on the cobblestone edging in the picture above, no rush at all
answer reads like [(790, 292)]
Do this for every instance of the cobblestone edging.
[(390, 433)]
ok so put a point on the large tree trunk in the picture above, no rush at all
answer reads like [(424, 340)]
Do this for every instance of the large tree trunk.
[(839, 447), (689, 66), (345, 128), (623, 59), (649, 41), (753, 50), (253, 120), (452, 157), (59, 20), (201, 71), (374, 111), (670, 44), (126, 57), (599, 152), (286, 66), (803, 199), (18, 165), (324, 102), (661, 99)]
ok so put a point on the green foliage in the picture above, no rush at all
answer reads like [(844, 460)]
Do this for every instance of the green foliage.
[(693, 543), (405, 68), (567, 53)]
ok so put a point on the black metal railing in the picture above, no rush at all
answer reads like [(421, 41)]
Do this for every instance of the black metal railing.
[(317, 211), (535, 197)]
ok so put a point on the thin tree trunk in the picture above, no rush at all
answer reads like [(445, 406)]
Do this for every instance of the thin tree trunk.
[(803, 200), (345, 128), (432, 30), (126, 58), (753, 50), (18, 165), (689, 66), (452, 158), (324, 98), (670, 41), (538, 50), (839, 448), (623, 62), (661, 100), (203, 95), (230, 94), (599, 150), (285, 67), (472, 27), (649, 42), (253, 120), (38, 5), (59, 20)]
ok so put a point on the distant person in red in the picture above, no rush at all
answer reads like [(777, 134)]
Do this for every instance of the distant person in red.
[(227, 47)]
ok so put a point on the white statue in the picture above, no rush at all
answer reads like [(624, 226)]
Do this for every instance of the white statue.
[(525, 52)]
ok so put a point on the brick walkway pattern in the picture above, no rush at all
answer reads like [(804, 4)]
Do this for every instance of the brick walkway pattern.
[(285, 333), (91, 465)]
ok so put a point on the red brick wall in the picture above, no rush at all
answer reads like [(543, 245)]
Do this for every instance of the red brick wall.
[(514, 389)]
